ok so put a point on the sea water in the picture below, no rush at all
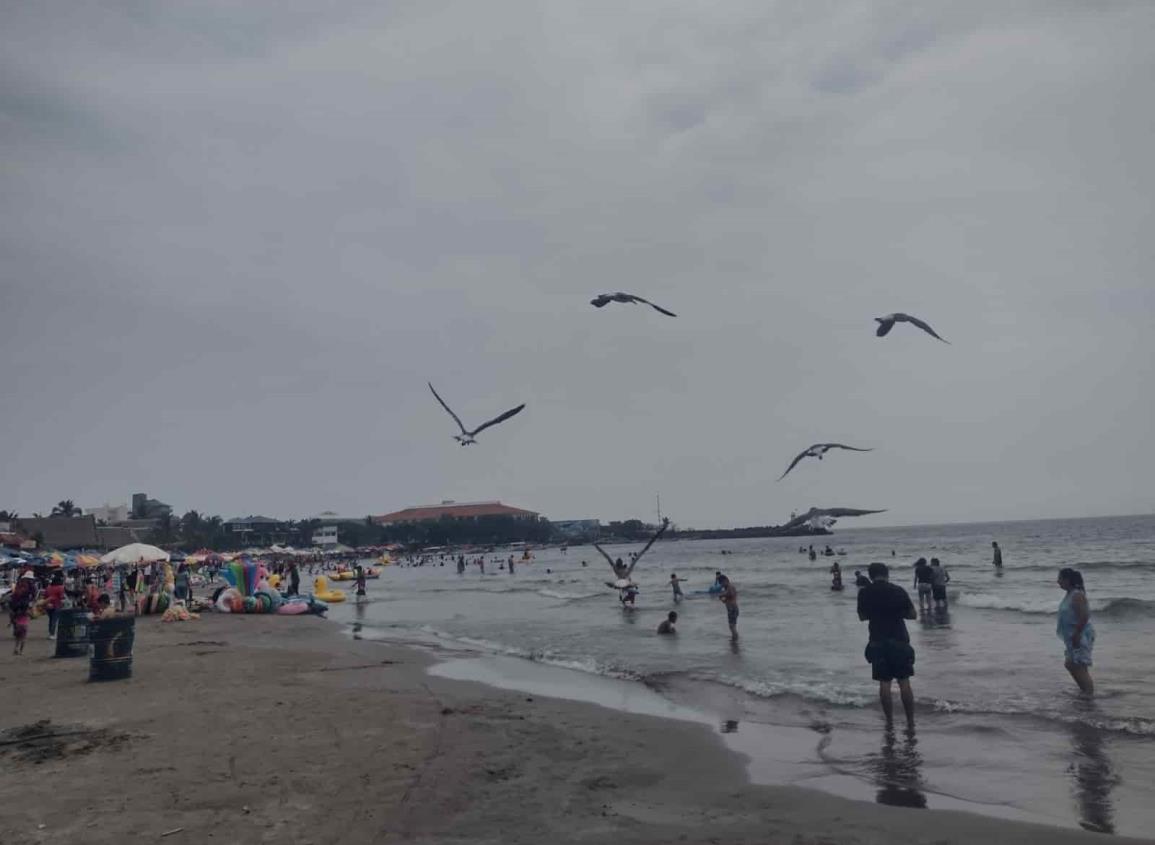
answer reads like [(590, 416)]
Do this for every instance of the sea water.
[(1001, 725)]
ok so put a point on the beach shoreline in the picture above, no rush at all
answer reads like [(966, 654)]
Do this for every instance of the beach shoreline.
[(259, 729)]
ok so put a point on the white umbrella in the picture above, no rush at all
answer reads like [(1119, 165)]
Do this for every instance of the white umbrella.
[(135, 553)]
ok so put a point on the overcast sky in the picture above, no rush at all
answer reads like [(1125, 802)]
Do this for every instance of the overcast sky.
[(236, 239)]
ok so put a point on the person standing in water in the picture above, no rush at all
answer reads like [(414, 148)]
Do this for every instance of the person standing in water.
[(360, 581), (922, 582), (1075, 629), (676, 585), (885, 606), (729, 597), (628, 595), (836, 576), (998, 560), (667, 625), (511, 564), (939, 578)]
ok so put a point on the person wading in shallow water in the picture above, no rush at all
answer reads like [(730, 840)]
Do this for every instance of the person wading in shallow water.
[(885, 606), (729, 597), (1075, 629)]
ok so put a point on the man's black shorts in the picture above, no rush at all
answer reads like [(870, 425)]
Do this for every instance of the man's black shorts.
[(890, 660)]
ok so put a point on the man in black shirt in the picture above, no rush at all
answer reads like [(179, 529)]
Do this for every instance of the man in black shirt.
[(885, 606)]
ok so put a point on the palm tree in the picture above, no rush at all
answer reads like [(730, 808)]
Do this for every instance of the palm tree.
[(66, 507), (8, 516)]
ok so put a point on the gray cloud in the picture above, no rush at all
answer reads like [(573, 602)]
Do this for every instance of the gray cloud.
[(236, 242)]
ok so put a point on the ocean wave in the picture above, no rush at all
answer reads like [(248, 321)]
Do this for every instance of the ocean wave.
[(548, 657), (824, 691), (1131, 726), (1099, 564), (828, 692), (1125, 607), (1113, 607), (986, 601), (564, 596), (813, 690)]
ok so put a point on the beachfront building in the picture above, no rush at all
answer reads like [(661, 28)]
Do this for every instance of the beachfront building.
[(60, 532), (325, 536), (259, 531), (145, 508), (77, 532), (448, 509), (108, 514), (451, 523)]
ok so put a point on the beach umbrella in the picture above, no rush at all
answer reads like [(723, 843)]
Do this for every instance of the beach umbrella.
[(87, 561), (135, 553)]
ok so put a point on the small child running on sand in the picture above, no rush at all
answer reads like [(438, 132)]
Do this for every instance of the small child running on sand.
[(20, 621)]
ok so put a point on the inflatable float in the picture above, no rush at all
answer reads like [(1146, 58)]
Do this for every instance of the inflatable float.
[(321, 591)]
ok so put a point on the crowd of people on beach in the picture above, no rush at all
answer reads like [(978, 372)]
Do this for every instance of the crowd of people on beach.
[(48, 592), (883, 604)]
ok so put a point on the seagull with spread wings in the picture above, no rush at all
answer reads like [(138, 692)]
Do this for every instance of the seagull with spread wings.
[(468, 437), (817, 451), (829, 512), (623, 572), (604, 299), (885, 324)]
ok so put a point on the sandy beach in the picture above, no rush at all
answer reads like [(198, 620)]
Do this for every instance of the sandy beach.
[(267, 729)]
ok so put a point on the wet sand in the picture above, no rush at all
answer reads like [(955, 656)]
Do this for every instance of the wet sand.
[(272, 729)]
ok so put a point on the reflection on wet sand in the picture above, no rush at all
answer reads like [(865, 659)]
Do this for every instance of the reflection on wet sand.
[(896, 770), (1092, 776), (360, 607)]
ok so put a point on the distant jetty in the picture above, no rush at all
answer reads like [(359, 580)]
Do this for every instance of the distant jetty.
[(804, 530)]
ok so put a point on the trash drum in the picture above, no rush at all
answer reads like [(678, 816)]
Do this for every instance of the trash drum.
[(111, 648), (72, 632)]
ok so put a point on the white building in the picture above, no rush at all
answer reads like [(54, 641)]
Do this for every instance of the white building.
[(109, 514), (326, 535)]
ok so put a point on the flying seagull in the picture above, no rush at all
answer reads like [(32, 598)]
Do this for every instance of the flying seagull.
[(467, 437), (817, 451), (885, 324), (606, 298), (832, 512), (623, 572)]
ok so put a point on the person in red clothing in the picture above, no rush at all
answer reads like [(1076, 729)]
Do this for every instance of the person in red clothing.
[(92, 596), (20, 608), (53, 601)]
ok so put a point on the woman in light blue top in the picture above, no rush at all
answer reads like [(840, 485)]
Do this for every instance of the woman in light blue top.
[(1075, 629)]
